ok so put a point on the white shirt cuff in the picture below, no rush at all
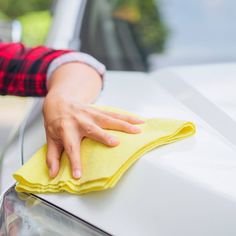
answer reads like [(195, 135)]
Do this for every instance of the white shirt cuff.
[(76, 57)]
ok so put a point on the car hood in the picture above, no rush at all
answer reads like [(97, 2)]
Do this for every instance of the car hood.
[(186, 188)]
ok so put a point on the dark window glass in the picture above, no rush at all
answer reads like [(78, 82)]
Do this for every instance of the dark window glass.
[(149, 34), (121, 33)]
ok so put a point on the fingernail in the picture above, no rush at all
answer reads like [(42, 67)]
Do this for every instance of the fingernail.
[(141, 121), (77, 174), (51, 172), (113, 141), (135, 129)]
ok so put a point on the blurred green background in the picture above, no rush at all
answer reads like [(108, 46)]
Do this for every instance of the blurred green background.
[(34, 16), (143, 15), (148, 25)]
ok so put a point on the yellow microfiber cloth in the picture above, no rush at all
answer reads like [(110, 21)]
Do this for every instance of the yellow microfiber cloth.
[(102, 166)]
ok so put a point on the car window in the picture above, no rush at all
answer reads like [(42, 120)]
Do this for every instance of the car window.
[(150, 34), (116, 33)]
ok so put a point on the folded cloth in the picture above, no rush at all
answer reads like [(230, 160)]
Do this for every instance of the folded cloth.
[(102, 166)]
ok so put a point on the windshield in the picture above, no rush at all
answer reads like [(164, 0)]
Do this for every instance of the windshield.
[(146, 35)]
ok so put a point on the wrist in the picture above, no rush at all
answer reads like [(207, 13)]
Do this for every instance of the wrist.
[(75, 81)]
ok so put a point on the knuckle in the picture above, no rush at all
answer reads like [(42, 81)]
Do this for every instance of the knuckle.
[(106, 137), (124, 125), (69, 147), (127, 126), (89, 129), (117, 116), (81, 109), (103, 137), (62, 126), (73, 106), (48, 162), (120, 116), (49, 129), (105, 120)]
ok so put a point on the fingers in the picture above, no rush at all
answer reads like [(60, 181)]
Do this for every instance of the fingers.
[(53, 157), (127, 118), (69, 130), (108, 122), (71, 142), (94, 132)]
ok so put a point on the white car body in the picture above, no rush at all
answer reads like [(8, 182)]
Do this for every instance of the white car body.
[(185, 188)]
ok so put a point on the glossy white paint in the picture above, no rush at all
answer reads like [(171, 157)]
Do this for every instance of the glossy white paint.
[(217, 83), (185, 188)]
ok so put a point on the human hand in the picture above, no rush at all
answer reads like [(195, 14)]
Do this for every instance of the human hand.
[(68, 118), (68, 122)]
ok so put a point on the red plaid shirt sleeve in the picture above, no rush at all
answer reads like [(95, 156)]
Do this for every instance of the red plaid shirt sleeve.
[(23, 70)]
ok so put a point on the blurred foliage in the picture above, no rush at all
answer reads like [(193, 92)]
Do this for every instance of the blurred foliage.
[(143, 16), (146, 20), (35, 27), (34, 16), (15, 8), (3, 16)]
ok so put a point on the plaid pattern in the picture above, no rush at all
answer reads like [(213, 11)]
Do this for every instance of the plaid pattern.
[(23, 70)]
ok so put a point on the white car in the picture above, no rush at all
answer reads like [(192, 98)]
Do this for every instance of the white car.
[(186, 188)]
